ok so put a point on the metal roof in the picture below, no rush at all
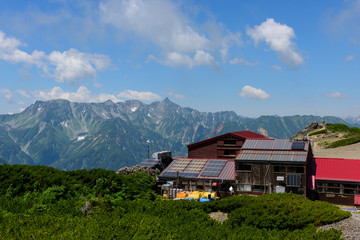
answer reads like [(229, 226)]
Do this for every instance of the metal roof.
[(274, 156), (337, 169), (274, 144), (194, 169)]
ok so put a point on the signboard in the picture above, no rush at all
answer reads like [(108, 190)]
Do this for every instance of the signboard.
[(280, 178)]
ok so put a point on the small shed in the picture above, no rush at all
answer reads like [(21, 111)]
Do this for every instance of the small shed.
[(336, 180)]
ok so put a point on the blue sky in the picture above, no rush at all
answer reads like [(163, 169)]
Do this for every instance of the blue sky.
[(252, 57)]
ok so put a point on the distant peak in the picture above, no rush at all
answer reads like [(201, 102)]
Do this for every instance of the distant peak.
[(166, 100), (109, 102)]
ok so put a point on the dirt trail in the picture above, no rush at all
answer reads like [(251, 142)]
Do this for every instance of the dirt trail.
[(350, 152)]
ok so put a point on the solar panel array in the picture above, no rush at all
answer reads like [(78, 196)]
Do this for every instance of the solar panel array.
[(188, 175), (150, 162), (195, 166), (277, 156), (179, 166), (275, 144), (213, 168), (297, 146), (169, 174)]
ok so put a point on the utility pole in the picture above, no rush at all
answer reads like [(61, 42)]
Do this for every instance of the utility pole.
[(148, 148)]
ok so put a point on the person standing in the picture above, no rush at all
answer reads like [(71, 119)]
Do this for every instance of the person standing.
[(231, 190)]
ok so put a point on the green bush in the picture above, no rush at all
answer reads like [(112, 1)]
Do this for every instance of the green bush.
[(285, 211), (318, 132), (338, 127), (126, 207), (344, 142)]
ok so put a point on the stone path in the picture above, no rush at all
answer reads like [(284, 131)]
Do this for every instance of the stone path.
[(350, 227)]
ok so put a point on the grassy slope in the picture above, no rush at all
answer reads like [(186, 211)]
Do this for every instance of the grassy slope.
[(336, 135)]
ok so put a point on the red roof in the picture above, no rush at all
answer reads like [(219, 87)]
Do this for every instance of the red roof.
[(337, 169), (241, 134), (249, 135)]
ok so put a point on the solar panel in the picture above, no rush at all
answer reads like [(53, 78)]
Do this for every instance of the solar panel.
[(213, 168), (179, 165), (195, 166), (298, 146), (181, 174), (149, 162), (169, 174), (188, 175)]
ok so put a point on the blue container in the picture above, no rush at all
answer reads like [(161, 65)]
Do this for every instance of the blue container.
[(204, 199)]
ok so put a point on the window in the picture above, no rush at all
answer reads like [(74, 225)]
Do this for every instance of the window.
[(293, 180), (244, 187), (199, 188), (350, 186), (243, 167), (334, 190), (350, 191), (320, 184), (259, 188), (295, 169), (230, 142), (334, 185), (229, 152), (279, 169)]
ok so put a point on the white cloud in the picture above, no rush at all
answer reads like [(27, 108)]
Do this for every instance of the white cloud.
[(70, 65), (23, 93), (279, 38), (6, 94), (160, 21), (253, 93), (350, 58), (241, 61), (73, 65), (171, 92), (345, 22), (81, 95), (176, 59), (163, 23), (146, 96), (9, 52), (336, 95), (200, 58), (277, 67)]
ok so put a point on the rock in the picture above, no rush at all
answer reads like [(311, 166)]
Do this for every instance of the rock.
[(311, 127), (86, 209)]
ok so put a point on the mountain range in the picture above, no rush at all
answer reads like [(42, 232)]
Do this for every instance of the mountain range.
[(69, 135)]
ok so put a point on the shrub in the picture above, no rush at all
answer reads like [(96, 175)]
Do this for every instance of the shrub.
[(338, 127), (318, 132), (344, 142)]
